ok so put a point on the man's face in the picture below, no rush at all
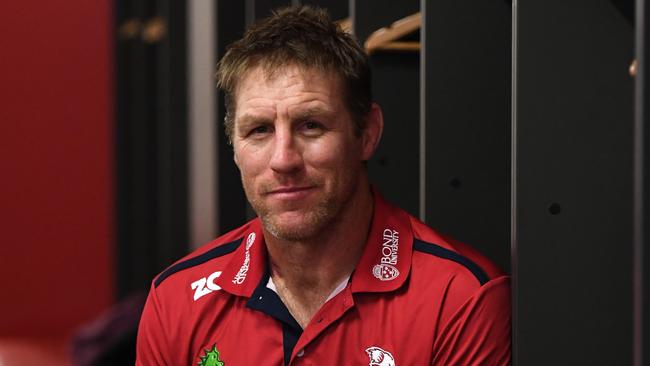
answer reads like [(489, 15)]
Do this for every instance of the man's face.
[(294, 144)]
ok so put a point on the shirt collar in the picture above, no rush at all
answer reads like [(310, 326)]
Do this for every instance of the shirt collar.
[(248, 263), (384, 264), (386, 260)]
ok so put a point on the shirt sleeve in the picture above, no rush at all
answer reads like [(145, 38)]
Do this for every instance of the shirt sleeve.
[(151, 348), (479, 332)]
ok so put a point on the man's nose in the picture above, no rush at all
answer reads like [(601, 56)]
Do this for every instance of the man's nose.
[(286, 156)]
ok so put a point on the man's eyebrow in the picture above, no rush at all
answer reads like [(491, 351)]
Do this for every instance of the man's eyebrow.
[(249, 119), (311, 112)]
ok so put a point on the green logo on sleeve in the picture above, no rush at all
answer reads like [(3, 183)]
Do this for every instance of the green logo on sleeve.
[(211, 357)]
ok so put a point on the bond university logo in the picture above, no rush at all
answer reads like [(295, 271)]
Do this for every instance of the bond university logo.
[(205, 285), (243, 270), (386, 269), (210, 357), (379, 357)]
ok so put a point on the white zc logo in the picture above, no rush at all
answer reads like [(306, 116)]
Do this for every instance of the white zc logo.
[(205, 285)]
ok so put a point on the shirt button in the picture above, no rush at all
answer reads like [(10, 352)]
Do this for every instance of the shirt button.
[(300, 353)]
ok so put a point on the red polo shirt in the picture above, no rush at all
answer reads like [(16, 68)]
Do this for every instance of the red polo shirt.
[(415, 298)]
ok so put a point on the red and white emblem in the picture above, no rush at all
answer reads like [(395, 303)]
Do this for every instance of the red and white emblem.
[(385, 272), (379, 357)]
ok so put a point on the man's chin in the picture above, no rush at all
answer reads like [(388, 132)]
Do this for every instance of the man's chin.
[(293, 226), (290, 233)]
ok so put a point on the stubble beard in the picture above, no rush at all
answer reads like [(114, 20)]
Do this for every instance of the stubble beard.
[(316, 219)]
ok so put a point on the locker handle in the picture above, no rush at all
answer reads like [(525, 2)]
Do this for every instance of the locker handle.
[(155, 29), (151, 31), (130, 29)]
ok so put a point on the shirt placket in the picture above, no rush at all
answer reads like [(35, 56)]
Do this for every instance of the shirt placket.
[(331, 312)]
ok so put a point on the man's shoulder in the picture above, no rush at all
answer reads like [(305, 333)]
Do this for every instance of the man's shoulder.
[(443, 255), (214, 254), (453, 276)]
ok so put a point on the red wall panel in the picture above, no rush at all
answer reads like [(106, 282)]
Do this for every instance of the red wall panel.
[(56, 182)]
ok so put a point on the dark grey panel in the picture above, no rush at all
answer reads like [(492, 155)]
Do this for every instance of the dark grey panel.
[(642, 188), (394, 168), (574, 177), (338, 9), (151, 140), (231, 19), (258, 9), (171, 108), (467, 117)]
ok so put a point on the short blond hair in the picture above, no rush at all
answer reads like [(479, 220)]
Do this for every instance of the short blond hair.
[(298, 36)]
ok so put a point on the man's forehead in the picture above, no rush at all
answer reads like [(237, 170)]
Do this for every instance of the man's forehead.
[(258, 87), (264, 73)]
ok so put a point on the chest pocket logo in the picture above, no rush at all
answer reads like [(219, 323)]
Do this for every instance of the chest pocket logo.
[(379, 357)]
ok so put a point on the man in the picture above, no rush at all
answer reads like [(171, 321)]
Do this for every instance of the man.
[(329, 273)]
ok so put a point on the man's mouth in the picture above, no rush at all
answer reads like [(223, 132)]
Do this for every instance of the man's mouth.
[(290, 192)]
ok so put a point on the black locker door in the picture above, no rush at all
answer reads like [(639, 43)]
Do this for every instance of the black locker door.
[(395, 167), (572, 183), (467, 122)]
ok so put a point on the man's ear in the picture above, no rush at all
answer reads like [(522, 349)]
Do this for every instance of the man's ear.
[(234, 156), (372, 133), (234, 152)]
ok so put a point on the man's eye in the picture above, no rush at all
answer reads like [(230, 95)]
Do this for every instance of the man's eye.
[(312, 128), (311, 125), (259, 130)]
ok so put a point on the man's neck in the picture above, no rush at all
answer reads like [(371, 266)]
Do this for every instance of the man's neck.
[(305, 273)]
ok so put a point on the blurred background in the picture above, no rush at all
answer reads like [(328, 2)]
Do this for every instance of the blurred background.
[(517, 127)]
